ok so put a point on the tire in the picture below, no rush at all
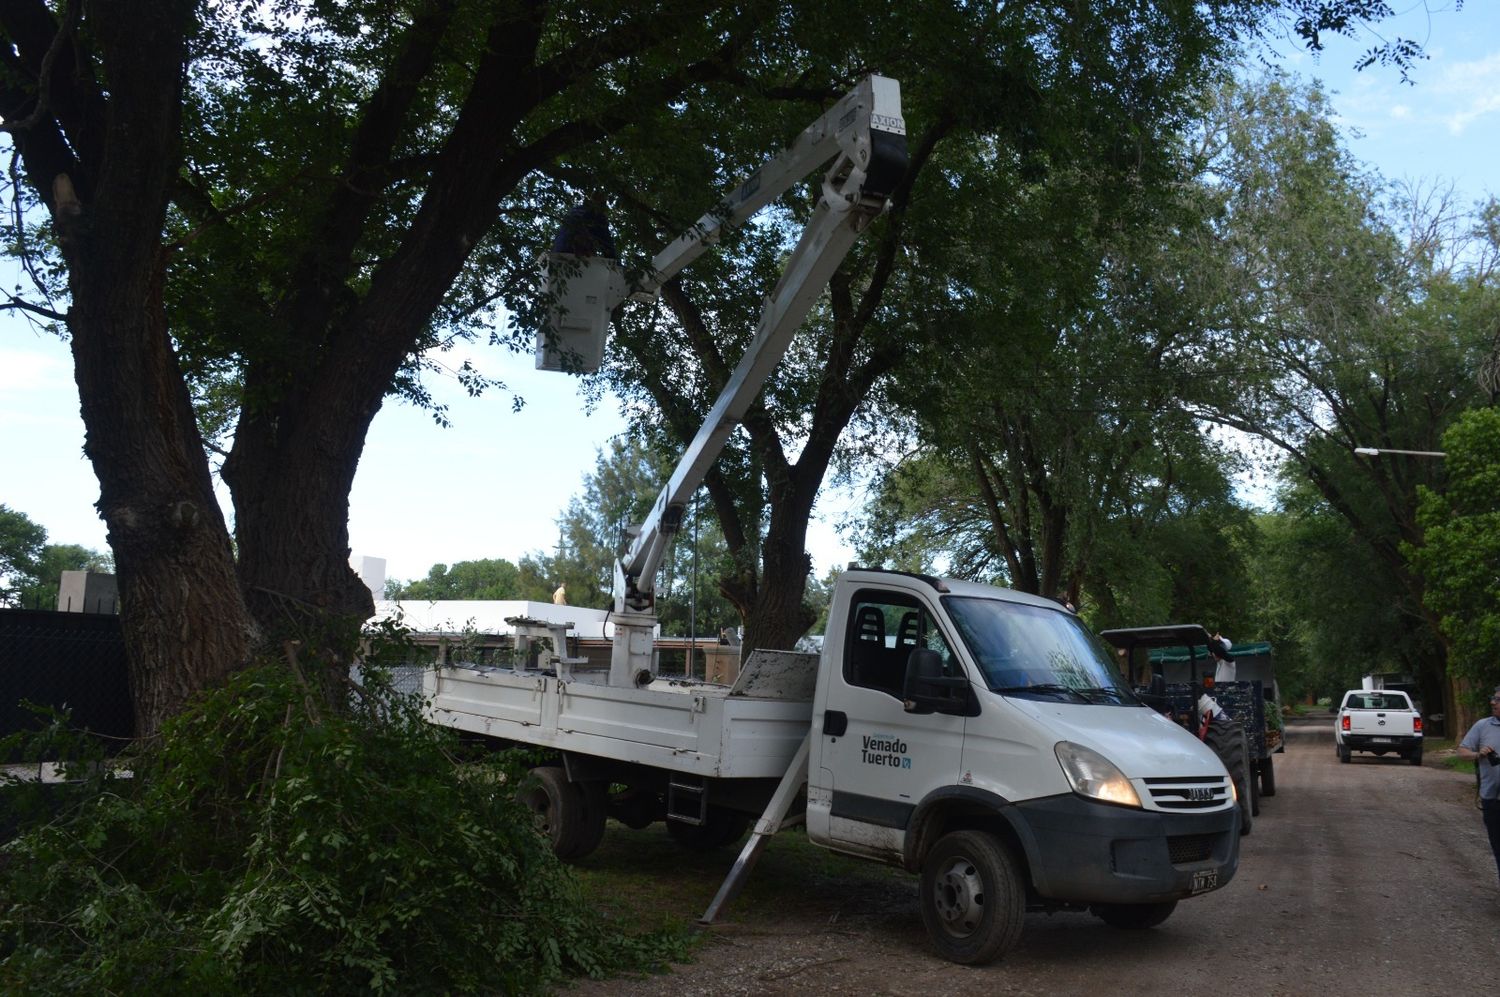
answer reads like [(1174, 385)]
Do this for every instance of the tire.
[(1227, 739), (1134, 917), (972, 897), (595, 806), (1253, 775), (1267, 777), (558, 808), (719, 828), (1416, 756), (1344, 753)]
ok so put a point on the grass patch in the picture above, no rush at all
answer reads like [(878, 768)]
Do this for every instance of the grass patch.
[(1434, 745), (648, 879)]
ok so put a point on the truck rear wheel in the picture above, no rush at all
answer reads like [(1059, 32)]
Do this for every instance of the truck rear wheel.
[(1344, 753), (1134, 917), (973, 900), (595, 796), (562, 813), (1267, 777), (1227, 739), (1416, 755), (1252, 777)]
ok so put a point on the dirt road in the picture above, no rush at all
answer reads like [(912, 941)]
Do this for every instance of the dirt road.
[(1367, 878)]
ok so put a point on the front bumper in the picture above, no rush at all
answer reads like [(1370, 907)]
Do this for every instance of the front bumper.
[(1081, 851)]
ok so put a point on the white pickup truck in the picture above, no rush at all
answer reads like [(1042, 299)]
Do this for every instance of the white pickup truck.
[(1379, 721)]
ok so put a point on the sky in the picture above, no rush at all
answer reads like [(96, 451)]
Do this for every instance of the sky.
[(494, 484)]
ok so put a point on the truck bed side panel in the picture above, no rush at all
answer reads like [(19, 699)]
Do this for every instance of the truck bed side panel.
[(697, 731)]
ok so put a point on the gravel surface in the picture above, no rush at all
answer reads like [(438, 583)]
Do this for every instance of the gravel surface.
[(1371, 878)]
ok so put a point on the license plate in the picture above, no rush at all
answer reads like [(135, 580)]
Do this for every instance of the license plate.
[(1382, 740), (1206, 880)]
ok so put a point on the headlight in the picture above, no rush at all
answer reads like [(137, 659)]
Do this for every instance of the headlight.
[(1092, 775)]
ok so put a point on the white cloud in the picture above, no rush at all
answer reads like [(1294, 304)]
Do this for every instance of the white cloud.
[(48, 369), (1400, 112), (1472, 91)]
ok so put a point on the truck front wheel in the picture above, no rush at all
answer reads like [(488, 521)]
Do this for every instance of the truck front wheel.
[(973, 900)]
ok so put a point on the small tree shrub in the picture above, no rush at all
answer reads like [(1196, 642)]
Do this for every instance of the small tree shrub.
[(266, 844)]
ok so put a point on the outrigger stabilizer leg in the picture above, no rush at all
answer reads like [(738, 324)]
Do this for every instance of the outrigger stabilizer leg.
[(770, 822)]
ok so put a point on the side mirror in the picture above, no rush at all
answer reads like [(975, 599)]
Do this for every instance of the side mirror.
[(1155, 694), (927, 690)]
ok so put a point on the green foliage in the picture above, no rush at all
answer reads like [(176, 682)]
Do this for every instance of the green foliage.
[(265, 844), (21, 543), (1459, 556), (487, 578), (31, 568)]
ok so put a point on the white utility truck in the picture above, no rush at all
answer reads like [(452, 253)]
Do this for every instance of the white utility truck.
[(978, 736)]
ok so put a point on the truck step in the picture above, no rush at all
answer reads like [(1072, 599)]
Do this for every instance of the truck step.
[(687, 801)]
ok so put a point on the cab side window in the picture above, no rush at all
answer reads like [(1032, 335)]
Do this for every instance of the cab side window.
[(884, 628)]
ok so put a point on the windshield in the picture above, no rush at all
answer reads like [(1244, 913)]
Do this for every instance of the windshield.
[(1037, 653)]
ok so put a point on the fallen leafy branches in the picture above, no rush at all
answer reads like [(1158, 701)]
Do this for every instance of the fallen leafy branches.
[(264, 845)]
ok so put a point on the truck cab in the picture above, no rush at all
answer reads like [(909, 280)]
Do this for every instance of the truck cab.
[(953, 717)]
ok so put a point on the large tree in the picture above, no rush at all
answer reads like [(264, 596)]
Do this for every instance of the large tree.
[(22, 543), (1356, 316), (1460, 552), (1044, 103), (281, 206), (261, 215)]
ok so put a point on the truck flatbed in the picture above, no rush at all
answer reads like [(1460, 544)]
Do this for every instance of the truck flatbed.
[(750, 730)]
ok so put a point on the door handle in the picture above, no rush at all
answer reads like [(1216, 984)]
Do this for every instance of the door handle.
[(835, 722)]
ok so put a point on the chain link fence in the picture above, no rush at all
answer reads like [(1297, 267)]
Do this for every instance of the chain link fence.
[(71, 661)]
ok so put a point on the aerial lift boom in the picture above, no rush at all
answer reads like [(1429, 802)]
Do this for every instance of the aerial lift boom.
[(865, 138)]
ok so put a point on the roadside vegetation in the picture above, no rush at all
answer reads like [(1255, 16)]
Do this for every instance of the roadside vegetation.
[(265, 843)]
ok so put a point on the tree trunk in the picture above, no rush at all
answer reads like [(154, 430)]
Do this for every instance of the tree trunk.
[(186, 626), (292, 528), (777, 618)]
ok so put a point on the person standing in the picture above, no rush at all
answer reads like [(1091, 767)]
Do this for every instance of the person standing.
[(1482, 744)]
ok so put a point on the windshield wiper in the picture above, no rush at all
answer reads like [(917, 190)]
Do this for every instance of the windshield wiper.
[(1111, 695), (1044, 688)]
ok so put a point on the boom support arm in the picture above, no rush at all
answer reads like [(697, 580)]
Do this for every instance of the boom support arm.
[(865, 136), (862, 142)]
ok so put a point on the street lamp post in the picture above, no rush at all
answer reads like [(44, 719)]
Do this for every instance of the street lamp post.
[(1377, 451)]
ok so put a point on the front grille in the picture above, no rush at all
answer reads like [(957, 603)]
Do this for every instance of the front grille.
[(1185, 848), (1187, 793)]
